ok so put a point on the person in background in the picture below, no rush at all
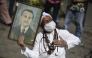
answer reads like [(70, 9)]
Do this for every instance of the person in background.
[(12, 3), (86, 7), (56, 6), (11, 7), (4, 12), (49, 43), (75, 10)]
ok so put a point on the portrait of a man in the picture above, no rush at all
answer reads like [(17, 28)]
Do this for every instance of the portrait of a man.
[(24, 27)]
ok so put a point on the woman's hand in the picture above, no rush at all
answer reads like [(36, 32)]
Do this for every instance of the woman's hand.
[(60, 43), (21, 43)]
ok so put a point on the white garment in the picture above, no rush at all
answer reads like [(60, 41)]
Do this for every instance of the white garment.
[(39, 51)]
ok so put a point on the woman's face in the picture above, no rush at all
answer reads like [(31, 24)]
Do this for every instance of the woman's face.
[(46, 20)]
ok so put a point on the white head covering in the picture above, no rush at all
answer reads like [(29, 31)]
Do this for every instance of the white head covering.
[(44, 15)]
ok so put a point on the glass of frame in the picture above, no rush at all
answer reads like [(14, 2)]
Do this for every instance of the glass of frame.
[(25, 23)]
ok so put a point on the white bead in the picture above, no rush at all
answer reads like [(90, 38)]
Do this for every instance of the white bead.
[(57, 53)]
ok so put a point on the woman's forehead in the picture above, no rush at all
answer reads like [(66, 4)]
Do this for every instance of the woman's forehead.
[(47, 18)]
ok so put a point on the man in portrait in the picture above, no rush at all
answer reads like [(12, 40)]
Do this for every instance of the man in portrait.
[(24, 28)]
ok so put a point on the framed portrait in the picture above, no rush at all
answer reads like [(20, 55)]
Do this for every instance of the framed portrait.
[(25, 23)]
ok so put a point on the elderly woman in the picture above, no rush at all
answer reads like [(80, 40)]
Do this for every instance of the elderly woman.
[(51, 42)]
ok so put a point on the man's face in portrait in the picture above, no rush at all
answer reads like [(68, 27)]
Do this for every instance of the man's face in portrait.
[(26, 18)]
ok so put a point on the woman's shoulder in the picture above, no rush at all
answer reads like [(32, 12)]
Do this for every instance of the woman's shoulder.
[(61, 30)]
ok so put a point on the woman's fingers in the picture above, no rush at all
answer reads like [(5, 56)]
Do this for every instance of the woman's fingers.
[(60, 43), (20, 41)]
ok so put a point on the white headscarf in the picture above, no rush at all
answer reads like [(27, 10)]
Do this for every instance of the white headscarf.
[(44, 15)]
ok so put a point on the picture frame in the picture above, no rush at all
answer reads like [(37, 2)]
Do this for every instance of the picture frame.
[(27, 18)]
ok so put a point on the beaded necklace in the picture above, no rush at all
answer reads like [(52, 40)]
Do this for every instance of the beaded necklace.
[(51, 46)]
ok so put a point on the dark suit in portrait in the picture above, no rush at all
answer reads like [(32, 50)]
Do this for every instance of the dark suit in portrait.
[(28, 36)]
